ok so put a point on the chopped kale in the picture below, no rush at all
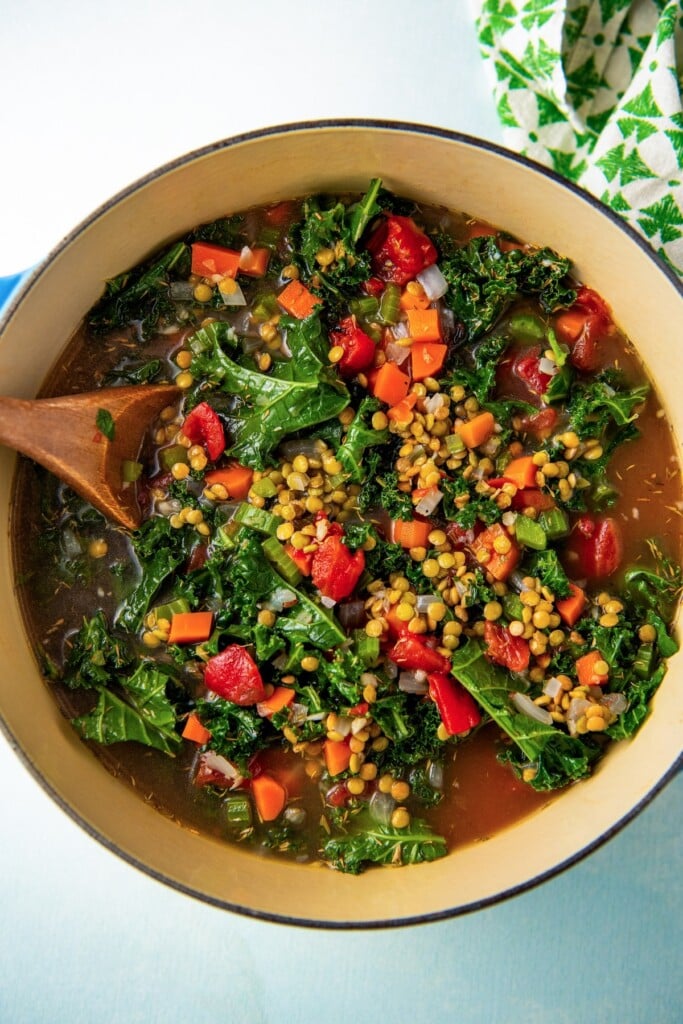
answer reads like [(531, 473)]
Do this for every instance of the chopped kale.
[(370, 843)]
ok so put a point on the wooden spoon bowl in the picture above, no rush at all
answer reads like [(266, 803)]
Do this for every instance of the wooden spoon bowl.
[(62, 434)]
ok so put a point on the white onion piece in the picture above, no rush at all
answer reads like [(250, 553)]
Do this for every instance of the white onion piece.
[(435, 775), (181, 291), (434, 283), (328, 602), (298, 713), (426, 505), (400, 330), (615, 702), (369, 679), (408, 682), (548, 366), (295, 816), (553, 688), (577, 707), (424, 601), (233, 298), (280, 598), (217, 763), (434, 402), (526, 706), (397, 353), (516, 580), (381, 807)]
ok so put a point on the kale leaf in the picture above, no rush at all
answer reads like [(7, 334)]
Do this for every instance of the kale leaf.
[(479, 375), (236, 732), (484, 281), (360, 436), (557, 757), (597, 404), (371, 843), (546, 566), (95, 656), (300, 392)]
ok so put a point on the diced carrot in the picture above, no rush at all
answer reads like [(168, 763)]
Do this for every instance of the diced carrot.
[(281, 697), (337, 756), (585, 669), (426, 358), (391, 384), (500, 563), (410, 533), (521, 472), (400, 413), (211, 260), (254, 262), (195, 731), (297, 300), (235, 478), (476, 431), (569, 324), (190, 627), (423, 325), (409, 300), (269, 796), (570, 609)]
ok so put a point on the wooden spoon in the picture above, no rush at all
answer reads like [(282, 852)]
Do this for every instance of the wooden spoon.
[(63, 436)]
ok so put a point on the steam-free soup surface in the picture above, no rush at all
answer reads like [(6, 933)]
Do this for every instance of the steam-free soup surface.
[(410, 539)]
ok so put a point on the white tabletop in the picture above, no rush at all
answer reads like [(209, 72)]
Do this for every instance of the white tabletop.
[(95, 96)]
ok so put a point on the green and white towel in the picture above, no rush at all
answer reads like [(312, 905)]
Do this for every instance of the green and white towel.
[(592, 88)]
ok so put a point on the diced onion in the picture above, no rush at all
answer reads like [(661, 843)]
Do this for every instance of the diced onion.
[(327, 602), (434, 283), (424, 601), (411, 681), (434, 402), (181, 291), (280, 599), (614, 702), (526, 706), (400, 330), (426, 505), (396, 353), (234, 297), (381, 807), (217, 763), (295, 816), (553, 688), (435, 775), (577, 707), (548, 366)]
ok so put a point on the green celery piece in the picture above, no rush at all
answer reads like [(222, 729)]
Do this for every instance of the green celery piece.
[(530, 533), (169, 456), (555, 523), (527, 327), (171, 608), (264, 488), (257, 519), (389, 307), (286, 566), (644, 661), (513, 607), (366, 647), (238, 813)]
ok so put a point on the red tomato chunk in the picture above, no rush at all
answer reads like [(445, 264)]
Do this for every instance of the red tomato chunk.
[(234, 675), (204, 427), (400, 250)]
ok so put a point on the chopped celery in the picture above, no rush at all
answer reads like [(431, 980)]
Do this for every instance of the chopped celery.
[(455, 444), (238, 811), (527, 327), (644, 661), (367, 306), (530, 533), (390, 304), (171, 608), (555, 523), (168, 457), (366, 647), (265, 307), (278, 557), (264, 488), (513, 607), (257, 519), (130, 471)]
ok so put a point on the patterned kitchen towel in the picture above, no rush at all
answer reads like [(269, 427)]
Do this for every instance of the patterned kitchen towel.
[(592, 88)]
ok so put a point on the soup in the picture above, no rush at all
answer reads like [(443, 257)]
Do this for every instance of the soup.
[(407, 563)]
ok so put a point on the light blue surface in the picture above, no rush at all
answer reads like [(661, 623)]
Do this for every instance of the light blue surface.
[(87, 938)]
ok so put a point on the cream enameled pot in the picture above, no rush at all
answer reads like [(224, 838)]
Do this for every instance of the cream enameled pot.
[(440, 168)]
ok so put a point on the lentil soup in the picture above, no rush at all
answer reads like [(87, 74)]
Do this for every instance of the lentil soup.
[(410, 541)]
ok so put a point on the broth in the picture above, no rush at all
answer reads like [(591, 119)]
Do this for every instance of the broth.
[(70, 565)]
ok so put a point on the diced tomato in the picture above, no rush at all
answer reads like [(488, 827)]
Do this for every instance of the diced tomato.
[(583, 326), (594, 548), (373, 286), (461, 538), (208, 774), (541, 424), (302, 559), (527, 368), (532, 497), (335, 571), (505, 649), (359, 348), (234, 675), (457, 708), (412, 652), (338, 795), (400, 250), (358, 710), (203, 426)]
